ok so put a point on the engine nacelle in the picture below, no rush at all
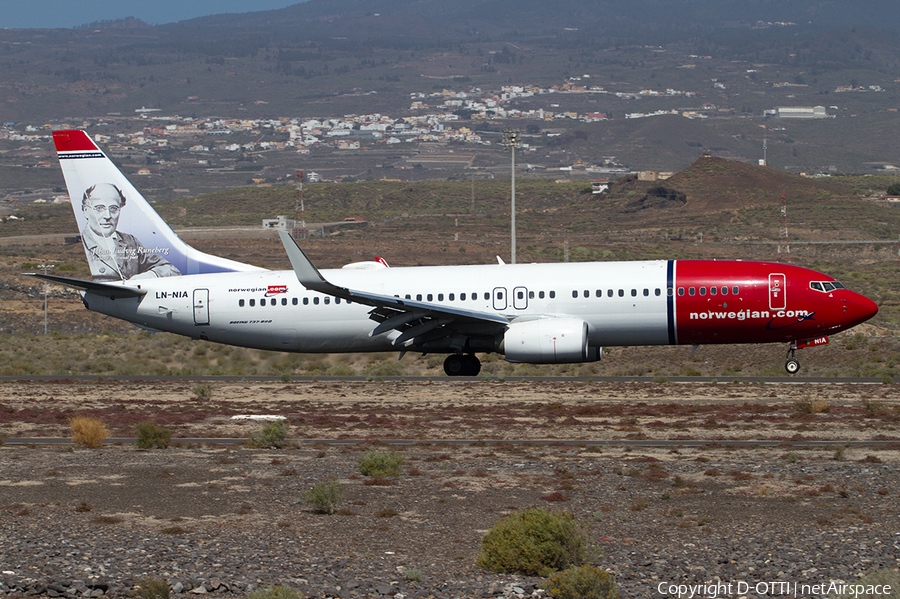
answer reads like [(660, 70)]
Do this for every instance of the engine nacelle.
[(549, 341)]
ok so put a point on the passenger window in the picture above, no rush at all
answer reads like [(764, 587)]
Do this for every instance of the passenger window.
[(429, 297), (598, 293), (487, 295), (462, 297), (241, 303), (541, 294), (658, 292), (681, 291), (327, 300), (521, 294), (735, 290), (452, 296), (294, 301), (703, 291), (634, 293), (609, 293), (252, 303), (670, 292), (418, 297), (408, 296), (316, 300), (724, 290), (552, 294), (691, 291), (646, 292), (440, 297), (621, 293), (499, 295), (531, 295), (337, 300), (305, 301), (284, 301), (574, 294), (713, 290)]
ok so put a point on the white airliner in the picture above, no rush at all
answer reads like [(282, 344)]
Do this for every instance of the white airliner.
[(534, 313)]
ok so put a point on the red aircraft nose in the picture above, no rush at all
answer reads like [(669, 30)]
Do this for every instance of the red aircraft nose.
[(860, 308)]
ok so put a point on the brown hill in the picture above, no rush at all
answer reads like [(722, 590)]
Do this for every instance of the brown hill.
[(716, 184)]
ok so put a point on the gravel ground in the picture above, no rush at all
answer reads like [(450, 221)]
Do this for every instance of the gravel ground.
[(224, 520)]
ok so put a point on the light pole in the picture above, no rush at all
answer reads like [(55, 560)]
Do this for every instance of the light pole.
[(511, 139), (46, 267)]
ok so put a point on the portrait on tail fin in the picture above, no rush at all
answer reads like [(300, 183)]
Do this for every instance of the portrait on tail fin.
[(114, 255)]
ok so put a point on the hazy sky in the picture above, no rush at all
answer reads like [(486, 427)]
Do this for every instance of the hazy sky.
[(29, 14)]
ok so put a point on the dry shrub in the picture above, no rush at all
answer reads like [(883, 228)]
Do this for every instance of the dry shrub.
[(812, 405), (88, 431)]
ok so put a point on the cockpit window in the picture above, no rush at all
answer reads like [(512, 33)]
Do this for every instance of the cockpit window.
[(825, 286)]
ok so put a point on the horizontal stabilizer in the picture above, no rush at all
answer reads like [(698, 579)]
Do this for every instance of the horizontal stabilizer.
[(109, 290)]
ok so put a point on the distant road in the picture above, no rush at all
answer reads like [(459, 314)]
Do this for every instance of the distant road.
[(186, 234)]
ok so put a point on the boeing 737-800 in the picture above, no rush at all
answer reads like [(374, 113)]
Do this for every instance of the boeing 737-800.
[(534, 313)]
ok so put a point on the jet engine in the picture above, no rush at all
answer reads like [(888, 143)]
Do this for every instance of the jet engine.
[(549, 341)]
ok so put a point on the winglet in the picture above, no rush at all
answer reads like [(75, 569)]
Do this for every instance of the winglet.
[(306, 272)]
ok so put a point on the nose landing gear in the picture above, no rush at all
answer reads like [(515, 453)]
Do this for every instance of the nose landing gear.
[(792, 365)]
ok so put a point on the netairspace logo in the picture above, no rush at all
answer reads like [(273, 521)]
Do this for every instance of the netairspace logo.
[(777, 588)]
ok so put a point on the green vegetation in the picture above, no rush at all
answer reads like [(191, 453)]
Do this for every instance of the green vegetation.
[(380, 463), (275, 592), (582, 582), (151, 588), (271, 435), (534, 542), (150, 435), (325, 497)]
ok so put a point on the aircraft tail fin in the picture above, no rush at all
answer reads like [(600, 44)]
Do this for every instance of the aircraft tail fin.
[(123, 236)]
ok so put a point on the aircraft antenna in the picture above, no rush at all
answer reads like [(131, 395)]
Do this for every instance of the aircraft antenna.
[(784, 245)]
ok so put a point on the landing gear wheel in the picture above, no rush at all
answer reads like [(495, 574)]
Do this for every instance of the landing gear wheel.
[(792, 366), (462, 365), (454, 365), (473, 365)]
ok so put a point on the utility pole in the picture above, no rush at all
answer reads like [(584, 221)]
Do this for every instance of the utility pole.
[(783, 235), (46, 267), (298, 206), (511, 139)]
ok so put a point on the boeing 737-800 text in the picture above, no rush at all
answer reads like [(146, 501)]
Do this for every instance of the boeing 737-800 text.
[(535, 313)]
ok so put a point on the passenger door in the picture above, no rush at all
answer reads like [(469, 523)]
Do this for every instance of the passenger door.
[(201, 307), (777, 295)]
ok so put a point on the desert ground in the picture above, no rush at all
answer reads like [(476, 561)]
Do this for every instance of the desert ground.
[(209, 517)]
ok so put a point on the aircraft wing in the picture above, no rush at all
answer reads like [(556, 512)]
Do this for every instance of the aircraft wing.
[(105, 289), (413, 319)]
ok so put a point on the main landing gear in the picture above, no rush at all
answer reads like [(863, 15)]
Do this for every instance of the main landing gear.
[(792, 365), (462, 365)]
